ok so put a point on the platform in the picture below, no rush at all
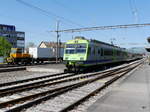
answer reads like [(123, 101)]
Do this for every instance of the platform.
[(131, 95)]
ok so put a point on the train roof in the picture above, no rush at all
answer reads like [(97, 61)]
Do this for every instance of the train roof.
[(94, 41), (100, 42), (97, 41)]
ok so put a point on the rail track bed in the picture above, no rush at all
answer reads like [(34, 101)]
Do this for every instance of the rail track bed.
[(9, 68), (36, 64), (58, 92)]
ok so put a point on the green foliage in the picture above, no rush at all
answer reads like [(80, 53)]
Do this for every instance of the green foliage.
[(5, 47)]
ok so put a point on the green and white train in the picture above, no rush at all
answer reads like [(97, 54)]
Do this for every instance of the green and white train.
[(82, 53)]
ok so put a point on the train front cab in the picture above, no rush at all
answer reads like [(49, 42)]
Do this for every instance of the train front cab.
[(75, 54)]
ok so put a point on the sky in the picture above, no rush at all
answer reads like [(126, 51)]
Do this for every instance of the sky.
[(37, 24)]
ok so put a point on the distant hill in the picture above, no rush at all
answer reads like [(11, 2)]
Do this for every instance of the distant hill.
[(138, 50)]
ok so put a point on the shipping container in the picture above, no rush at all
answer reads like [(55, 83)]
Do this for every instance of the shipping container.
[(45, 54)]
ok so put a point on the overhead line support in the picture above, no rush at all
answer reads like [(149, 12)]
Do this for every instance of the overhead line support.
[(103, 28)]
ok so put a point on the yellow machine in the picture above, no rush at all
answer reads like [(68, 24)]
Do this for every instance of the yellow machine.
[(17, 56)]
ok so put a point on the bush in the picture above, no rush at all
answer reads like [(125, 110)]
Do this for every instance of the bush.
[(5, 47)]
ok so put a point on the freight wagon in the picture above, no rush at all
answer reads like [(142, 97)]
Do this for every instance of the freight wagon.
[(39, 55)]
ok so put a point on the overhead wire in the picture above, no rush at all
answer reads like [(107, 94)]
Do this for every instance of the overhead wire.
[(63, 6), (48, 13), (134, 10), (104, 28)]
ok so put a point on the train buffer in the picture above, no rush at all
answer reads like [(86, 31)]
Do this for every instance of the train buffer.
[(129, 95)]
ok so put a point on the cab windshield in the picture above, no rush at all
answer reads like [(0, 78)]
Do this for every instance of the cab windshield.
[(75, 48)]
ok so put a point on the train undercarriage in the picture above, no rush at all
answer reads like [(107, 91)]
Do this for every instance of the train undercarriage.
[(75, 68)]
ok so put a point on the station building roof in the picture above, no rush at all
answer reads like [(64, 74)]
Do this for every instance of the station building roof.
[(44, 44)]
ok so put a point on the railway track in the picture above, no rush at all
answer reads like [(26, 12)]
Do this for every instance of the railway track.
[(36, 64), (9, 68), (22, 85), (20, 95)]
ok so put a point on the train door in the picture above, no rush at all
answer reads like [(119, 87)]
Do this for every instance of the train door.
[(93, 54), (89, 52), (99, 54)]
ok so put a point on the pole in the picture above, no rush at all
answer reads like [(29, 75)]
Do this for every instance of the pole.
[(57, 36)]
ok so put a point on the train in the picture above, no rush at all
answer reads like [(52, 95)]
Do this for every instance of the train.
[(81, 53), (35, 55)]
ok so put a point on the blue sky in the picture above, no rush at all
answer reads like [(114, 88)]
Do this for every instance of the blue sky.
[(82, 13)]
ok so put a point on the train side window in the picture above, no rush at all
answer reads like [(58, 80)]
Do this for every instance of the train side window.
[(108, 52), (118, 53)]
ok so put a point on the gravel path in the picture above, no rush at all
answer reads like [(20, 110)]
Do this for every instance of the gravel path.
[(20, 75)]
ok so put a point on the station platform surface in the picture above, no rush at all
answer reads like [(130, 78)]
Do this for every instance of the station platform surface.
[(131, 95)]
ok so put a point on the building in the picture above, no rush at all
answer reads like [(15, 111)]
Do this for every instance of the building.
[(16, 38), (51, 45)]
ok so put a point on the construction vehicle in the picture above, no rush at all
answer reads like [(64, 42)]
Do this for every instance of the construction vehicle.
[(17, 56)]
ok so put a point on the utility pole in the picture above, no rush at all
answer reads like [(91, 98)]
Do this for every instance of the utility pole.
[(57, 36)]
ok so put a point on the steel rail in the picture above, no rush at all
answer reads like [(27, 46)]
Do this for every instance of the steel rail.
[(55, 94), (7, 91), (36, 78), (29, 79), (13, 90), (106, 84), (12, 69), (58, 90)]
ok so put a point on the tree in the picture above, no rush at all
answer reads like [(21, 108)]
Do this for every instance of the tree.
[(5, 47)]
